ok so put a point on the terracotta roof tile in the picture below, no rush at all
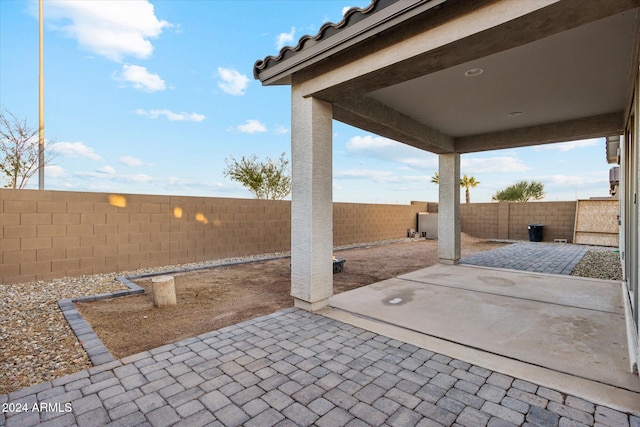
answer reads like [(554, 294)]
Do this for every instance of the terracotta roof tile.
[(327, 30)]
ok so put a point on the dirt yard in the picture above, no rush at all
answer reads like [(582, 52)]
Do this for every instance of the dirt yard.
[(214, 298)]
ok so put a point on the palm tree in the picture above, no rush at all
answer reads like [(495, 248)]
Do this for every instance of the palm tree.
[(522, 191), (466, 181)]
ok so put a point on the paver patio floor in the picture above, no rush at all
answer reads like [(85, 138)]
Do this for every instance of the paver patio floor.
[(297, 368), (326, 369), (536, 257)]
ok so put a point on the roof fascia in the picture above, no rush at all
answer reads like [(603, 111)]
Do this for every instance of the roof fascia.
[(570, 130), (280, 74), (476, 38)]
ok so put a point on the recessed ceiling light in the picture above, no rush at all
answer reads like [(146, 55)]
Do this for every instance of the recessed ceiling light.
[(473, 72), (515, 114)]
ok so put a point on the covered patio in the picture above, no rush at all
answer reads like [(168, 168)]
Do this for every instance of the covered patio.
[(454, 77), (563, 332)]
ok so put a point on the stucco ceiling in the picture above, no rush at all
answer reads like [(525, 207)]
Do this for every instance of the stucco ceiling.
[(578, 73), (552, 71)]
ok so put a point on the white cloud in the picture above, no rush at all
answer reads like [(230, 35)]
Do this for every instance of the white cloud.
[(571, 145), (390, 180), (130, 161), (281, 130), (427, 161), (493, 164), (141, 79), (370, 143), (171, 116), (252, 126), (392, 151), (55, 171), (74, 149), (138, 178), (368, 174), (107, 170), (285, 38), (409, 157), (587, 179), (232, 81), (112, 29), (182, 184), (104, 174)]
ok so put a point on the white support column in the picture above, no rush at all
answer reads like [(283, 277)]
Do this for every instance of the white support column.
[(311, 202), (449, 209)]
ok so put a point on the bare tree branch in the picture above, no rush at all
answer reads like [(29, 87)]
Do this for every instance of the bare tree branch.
[(18, 151)]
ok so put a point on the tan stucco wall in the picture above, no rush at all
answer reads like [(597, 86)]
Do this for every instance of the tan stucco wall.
[(51, 234)]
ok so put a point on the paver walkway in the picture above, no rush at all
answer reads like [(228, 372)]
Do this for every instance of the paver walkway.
[(552, 258), (296, 368)]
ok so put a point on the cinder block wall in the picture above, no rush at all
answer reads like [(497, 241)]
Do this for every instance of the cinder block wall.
[(558, 219), (363, 223), (510, 220), (51, 234), (479, 219)]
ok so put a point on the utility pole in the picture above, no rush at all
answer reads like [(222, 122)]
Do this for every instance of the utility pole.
[(41, 104)]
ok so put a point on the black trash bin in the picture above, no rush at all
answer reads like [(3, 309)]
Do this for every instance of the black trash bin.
[(535, 232)]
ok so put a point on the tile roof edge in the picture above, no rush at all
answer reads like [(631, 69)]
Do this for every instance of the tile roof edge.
[(347, 20)]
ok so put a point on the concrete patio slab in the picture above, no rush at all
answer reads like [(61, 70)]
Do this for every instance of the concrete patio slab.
[(570, 325), (580, 292)]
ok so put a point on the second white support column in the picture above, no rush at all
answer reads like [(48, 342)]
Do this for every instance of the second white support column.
[(449, 209)]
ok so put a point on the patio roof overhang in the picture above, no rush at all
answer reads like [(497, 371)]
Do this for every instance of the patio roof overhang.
[(551, 71)]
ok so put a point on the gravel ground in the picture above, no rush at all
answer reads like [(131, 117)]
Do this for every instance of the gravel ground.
[(36, 343), (599, 264)]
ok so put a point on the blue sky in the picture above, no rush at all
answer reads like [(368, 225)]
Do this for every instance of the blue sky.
[(151, 97)]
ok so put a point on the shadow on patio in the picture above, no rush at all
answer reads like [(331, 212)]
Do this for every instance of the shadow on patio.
[(560, 331)]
